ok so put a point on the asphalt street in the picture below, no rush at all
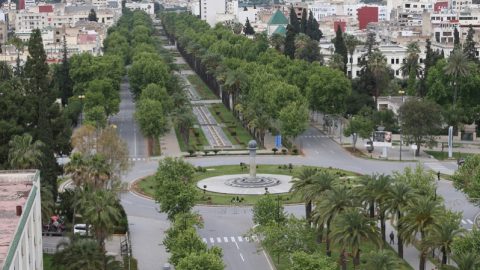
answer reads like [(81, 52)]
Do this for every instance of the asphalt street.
[(126, 126)]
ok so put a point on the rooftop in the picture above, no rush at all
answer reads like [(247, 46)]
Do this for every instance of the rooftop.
[(278, 18), (15, 187)]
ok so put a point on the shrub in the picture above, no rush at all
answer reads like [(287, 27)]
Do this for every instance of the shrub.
[(233, 133), (206, 152), (191, 152), (295, 151), (275, 150), (216, 151), (284, 151)]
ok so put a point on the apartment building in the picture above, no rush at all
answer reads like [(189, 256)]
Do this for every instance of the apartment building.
[(20, 221), (209, 9), (146, 6)]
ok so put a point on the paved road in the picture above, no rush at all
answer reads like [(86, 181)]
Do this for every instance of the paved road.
[(126, 125)]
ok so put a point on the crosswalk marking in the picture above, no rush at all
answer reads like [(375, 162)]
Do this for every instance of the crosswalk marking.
[(438, 167), (464, 222), (230, 239), (467, 221)]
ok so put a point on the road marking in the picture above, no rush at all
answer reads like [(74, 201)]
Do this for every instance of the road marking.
[(237, 245), (225, 239), (241, 256), (240, 239), (211, 240), (232, 239), (268, 260), (469, 221), (464, 222), (219, 240)]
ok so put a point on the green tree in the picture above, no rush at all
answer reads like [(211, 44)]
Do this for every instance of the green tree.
[(340, 47), (303, 22), (467, 178), (329, 206), (377, 64), (302, 185), (289, 49), (248, 29), (92, 16), (62, 76), (411, 67), (465, 261), (268, 209), (201, 261), (294, 21), (305, 261), (351, 228), (84, 254), (457, 68), (101, 211), (381, 260), (359, 126), (456, 39), (155, 92), (351, 42), (102, 93), (24, 153), (151, 118), (306, 49), (174, 189), (420, 121), (421, 215), (469, 45), (277, 41), (95, 116), (186, 243), (293, 119)]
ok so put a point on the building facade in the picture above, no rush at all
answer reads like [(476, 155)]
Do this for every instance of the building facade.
[(20, 221)]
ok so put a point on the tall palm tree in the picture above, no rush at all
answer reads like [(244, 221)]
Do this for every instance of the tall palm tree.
[(380, 191), (24, 153), (101, 211), (443, 233), (84, 254), (351, 228), (457, 67), (396, 200), (365, 192), (411, 67), (301, 184), (236, 81), (77, 168), (421, 215), (47, 204), (351, 42), (99, 171), (381, 260), (377, 63), (332, 203)]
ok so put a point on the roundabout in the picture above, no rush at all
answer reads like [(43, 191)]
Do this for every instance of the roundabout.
[(219, 184)]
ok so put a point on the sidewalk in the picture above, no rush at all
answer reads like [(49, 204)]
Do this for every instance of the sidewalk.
[(410, 253), (170, 146)]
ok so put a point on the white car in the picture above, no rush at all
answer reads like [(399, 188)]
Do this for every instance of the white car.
[(81, 229)]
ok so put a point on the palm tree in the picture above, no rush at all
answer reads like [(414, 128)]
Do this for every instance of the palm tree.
[(443, 233), (351, 228), (457, 67), (77, 168), (421, 215), (301, 184), (332, 203), (84, 254), (410, 67), (184, 121), (47, 204), (380, 191), (365, 192), (99, 171), (236, 80), (351, 42), (23, 153), (101, 211), (377, 63), (381, 260), (396, 200), (464, 261)]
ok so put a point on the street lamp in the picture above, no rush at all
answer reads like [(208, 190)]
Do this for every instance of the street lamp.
[(81, 97), (401, 92)]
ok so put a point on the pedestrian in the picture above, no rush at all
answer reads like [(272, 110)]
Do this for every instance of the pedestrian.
[(392, 238), (438, 175)]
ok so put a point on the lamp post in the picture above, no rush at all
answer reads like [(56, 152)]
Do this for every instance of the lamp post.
[(401, 92), (81, 97)]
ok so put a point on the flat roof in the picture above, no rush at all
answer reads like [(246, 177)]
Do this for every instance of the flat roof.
[(15, 188)]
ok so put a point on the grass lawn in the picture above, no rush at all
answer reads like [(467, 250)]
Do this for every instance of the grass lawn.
[(234, 130), (444, 155), (201, 87), (194, 142), (147, 185)]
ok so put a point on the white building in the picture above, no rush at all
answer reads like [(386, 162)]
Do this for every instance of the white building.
[(322, 10), (395, 55), (148, 7), (210, 8), (20, 221)]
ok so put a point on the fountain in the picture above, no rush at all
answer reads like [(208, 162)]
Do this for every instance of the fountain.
[(252, 180)]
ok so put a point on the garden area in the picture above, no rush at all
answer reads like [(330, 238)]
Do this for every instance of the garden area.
[(234, 130), (201, 87), (196, 141), (147, 185)]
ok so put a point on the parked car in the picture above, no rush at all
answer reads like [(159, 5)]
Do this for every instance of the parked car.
[(81, 229)]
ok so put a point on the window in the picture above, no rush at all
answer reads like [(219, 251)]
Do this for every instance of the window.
[(392, 61), (397, 61)]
